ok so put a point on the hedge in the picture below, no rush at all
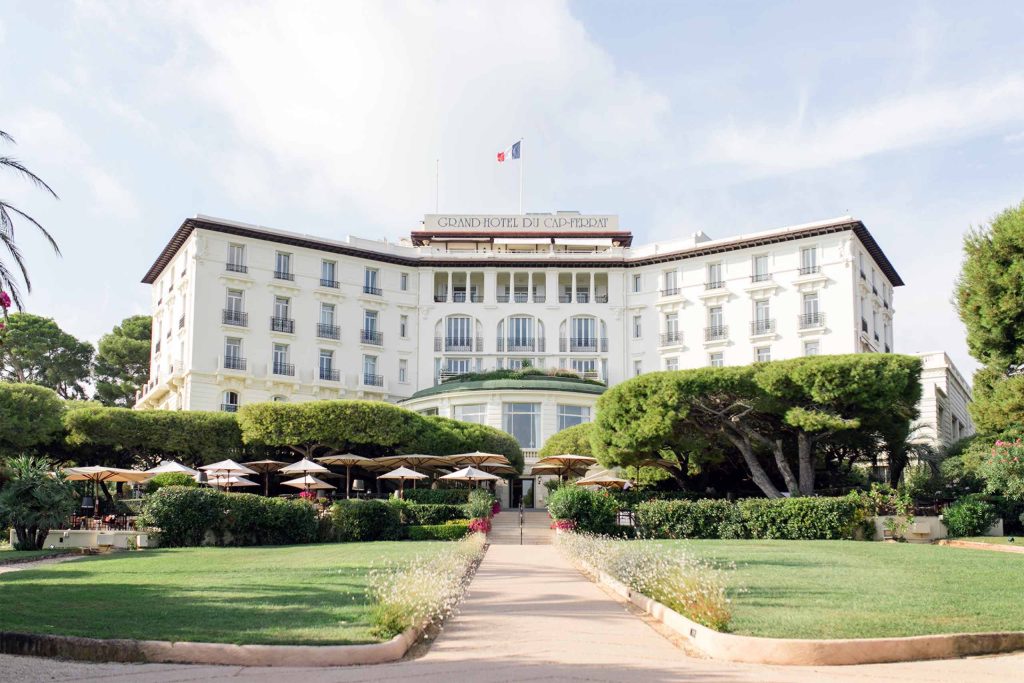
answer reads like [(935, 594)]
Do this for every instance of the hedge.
[(629, 499), (438, 496), (430, 515), (365, 520), (706, 518), (188, 516), (437, 532), (589, 511)]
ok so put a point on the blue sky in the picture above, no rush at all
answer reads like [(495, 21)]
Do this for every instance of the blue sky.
[(327, 118)]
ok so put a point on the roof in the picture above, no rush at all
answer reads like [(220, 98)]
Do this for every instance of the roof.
[(413, 260), (536, 383)]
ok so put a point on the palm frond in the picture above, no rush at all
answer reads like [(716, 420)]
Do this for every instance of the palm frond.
[(8, 241), (8, 283), (5, 207), (11, 162), (8, 138)]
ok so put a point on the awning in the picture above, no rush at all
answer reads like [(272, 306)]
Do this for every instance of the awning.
[(522, 240), (584, 241)]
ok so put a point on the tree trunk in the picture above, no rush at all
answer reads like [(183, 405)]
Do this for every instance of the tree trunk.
[(757, 472), (780, 461), (805, 451)]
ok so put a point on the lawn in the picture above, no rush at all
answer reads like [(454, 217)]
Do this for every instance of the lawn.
[(997, 540), (9, 554), (850, 589), (312, 594)]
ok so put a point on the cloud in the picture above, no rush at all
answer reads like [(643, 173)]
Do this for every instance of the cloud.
[(935, 116)]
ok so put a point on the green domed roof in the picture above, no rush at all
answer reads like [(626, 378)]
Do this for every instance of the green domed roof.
[(501, 382)]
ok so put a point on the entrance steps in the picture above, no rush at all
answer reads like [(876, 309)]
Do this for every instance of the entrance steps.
[(536, 528)]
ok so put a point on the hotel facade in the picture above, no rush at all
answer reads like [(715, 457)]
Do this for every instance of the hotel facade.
[(244, 313)]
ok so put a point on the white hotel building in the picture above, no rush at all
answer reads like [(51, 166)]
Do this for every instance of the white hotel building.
[(244, 313)]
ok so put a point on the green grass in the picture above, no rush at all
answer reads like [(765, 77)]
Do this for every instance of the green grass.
[(9, 554), (311, 594), (850, 589), (997, 540)]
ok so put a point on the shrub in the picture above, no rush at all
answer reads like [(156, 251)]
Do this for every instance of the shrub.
[(705, 518), (800, 518), (1003, 469), (429, 515), (183, 514), (479, 505), (437, 532), (365, 520), (969, 516), (628, 500), (170, 479), (132, 506), (590, 511), (438, 496), (33, 502)]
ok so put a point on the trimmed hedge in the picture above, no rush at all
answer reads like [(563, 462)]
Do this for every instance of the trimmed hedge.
[(189, 516), (430, 515), (628, 500), (437, 532), (589, 511), (438, 496), (170, 479), (706, 518), (365, 520)]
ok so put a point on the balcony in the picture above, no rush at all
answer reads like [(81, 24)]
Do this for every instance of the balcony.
[(372, 380), (760, 277), (584, 344), (669, 338), (463, 344), (326, 331), (810, 270), (236, 267), (233, 317), (286, 369), (670, 291), (375, 291), (284, 275), (565, 298), (762, 326), (229, 407), (234, 363), (330, 374), (716, 333), (520, 344), (714, 284), (460, 297), (371, 337), (282, 325), (808, 320), (328, 282)]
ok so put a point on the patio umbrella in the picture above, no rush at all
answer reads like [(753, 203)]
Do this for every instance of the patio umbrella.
[(308, 482), (477, 458), (266, 467), (470, 474), (303, 467), (568, 464), (229, 480), (604, 479), (348, 460), (171, 466), (497, 468), (414, 460), (227, 467), (401, 474), (96, 474)]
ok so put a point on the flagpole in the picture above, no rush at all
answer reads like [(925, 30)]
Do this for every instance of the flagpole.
[(522, 164)]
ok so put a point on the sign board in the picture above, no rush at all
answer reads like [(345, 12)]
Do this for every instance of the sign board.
[(529, 222)]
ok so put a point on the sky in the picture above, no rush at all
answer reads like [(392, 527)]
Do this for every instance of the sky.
[(329, 118)]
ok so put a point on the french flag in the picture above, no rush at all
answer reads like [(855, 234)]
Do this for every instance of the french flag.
[(510, 153)]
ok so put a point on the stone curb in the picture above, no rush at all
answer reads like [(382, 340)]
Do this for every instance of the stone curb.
[(813, 652), (162, 651), (975, 545)]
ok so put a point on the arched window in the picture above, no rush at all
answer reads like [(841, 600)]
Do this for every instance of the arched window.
[(521, 333), (229, 402), (583, 333)]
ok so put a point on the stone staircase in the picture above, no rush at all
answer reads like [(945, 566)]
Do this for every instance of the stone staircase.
[(536, 528)]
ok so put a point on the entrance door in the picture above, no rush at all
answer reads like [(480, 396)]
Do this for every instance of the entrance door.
[(522, 491)]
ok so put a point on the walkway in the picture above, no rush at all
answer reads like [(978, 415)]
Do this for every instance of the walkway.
[(530, 616)]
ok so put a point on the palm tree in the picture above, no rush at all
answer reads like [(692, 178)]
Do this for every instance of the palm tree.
[(8, 213)]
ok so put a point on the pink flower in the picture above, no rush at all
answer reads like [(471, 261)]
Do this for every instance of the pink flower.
[(5, 300)]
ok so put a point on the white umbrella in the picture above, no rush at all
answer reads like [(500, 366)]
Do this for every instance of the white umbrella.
[(227, 467), (171, 466), (266, 467), (308, 482), (604, 479), (303, 467), (470, 474), (348, 460), (567, 464), (229, 480), (477, 458), (96, 474), (402, 473)]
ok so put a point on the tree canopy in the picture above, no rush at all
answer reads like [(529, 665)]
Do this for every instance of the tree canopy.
[(36, 351), (571, 440), (31, 417), (122, 361)]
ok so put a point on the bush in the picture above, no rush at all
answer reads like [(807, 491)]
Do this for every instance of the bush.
[(437, 532), (430, 515), (590, 511), (800, 518), (480, 504), (969, 517), (32, 501), (190, 516), (628, 500), (1003, 469), (365, 520), (438, 496), (170, 479), (705, 518)]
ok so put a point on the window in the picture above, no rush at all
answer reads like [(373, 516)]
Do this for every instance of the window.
[(637, 283), (716, 327), (327, 365), (716, 360), (764, 354), (282, 305), (762, 317), (403, 282), (234, 302), (760, 269), (403, 370), (327, 314), (637, 326), (520, 332), (808, 260), (672, 326), (429, 412), (714, 280), (811, 348), (570, 416), (371, 281), (236, 258), (583, 331), (810, 305), (328, 273), (458, 332), (370, 376), (585, 366), (521, 421), (671, 283), (233, 354), (672, 363), (280, 358), (370, 321), (283, 266), (229, 402), (403, 326), (472, 412), (638, 368)]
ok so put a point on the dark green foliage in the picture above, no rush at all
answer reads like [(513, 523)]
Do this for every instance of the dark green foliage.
[(437, 496), (705, 518), (189, 516), (170, 479), (479, 504), (32, 501), (969, 516), (30, 416), (428, 515), (437, 532), (590, 511), (365, 520), (628, 500), (800, 518), (574, 440), (37, 351), (122, 361)]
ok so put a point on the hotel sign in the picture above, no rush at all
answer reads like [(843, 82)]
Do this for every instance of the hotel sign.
[(536, 221)]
